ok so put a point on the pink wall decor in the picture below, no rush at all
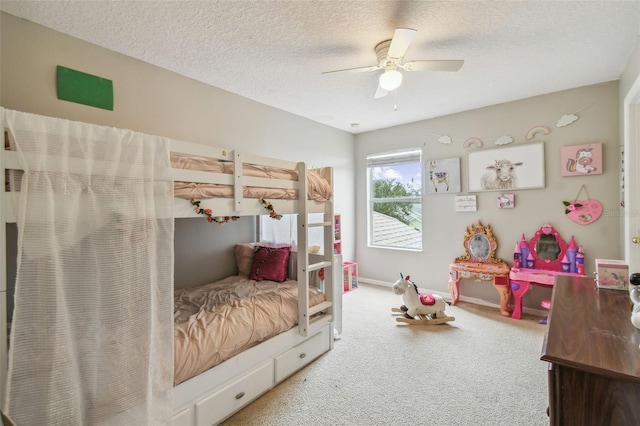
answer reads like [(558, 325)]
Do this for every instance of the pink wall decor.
[(581, 160), (506, 201), (583, 211)]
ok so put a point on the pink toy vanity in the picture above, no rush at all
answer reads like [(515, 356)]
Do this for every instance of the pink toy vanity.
[(540, 260)]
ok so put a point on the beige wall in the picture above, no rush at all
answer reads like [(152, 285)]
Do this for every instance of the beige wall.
[(443, 227), (155, 101)]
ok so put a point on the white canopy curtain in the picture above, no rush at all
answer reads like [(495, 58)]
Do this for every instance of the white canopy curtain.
[(92, 332)]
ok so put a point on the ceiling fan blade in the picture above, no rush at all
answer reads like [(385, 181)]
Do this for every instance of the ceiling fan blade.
[(380, 93), (359, 69), (400, 42), (446, 65)]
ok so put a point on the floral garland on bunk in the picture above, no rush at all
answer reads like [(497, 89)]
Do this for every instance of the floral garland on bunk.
[(224, 219), (208, 213), (272, 213)]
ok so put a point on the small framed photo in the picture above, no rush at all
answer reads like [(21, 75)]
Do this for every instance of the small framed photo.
[(513, 168), (444, 176), (506, 201), (581, 160)]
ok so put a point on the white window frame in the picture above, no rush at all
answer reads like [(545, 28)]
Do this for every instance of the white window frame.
[(284, 232), (385, 159)]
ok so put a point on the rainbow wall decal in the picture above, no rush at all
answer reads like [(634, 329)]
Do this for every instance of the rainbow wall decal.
[(544, 130), (473, 141)]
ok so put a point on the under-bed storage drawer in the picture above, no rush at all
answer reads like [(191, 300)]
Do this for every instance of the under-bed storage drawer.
[(183, 418), (297, 357), (231, 398)]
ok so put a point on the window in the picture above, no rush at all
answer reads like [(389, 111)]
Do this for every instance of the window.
[(284, 232), (395, 199)]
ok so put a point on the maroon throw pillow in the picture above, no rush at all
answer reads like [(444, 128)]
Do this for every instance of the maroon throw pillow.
[(270, 263)]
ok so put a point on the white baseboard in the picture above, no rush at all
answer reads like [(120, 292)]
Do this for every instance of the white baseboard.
[(474, 300)]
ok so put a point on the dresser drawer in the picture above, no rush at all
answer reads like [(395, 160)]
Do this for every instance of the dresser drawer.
[(234, 396), (297, 357), (183, 418)]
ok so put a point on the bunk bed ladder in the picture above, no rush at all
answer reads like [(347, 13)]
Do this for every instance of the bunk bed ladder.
[(307, 323), (238, 185)]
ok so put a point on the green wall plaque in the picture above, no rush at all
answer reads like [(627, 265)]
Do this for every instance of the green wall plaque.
[(82, 88)]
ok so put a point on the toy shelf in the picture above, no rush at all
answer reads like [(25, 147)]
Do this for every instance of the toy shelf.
[(349, 276)]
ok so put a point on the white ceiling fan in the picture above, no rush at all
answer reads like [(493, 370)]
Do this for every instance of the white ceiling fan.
[(390, 54)]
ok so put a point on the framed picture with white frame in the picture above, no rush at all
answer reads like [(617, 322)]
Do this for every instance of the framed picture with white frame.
[(443, 176), (507, 169)]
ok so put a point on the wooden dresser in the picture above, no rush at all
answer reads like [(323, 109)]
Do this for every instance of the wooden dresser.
[(592, 348)]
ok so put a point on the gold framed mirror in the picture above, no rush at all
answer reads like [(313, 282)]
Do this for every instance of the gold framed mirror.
[(480, 244)]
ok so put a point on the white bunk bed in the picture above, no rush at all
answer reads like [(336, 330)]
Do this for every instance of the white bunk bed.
[(214, 395), (222, 390)]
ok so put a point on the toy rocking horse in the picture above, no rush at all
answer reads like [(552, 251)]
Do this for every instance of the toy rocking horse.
[(419, 308)]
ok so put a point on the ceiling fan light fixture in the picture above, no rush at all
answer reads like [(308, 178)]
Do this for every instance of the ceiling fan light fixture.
[(390, 80)]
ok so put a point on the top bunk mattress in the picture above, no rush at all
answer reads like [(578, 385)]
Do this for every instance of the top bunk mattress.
[(225, 182), (319, 187)]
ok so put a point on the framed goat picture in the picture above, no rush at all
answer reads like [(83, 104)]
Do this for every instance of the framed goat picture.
[(507, 169), (443, 176)]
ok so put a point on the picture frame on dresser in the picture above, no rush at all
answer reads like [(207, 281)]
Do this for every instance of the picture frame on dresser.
[(507, 169), (612, 274)]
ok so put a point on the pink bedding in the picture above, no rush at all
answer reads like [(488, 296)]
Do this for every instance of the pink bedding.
[(216, 321), (319, 187)]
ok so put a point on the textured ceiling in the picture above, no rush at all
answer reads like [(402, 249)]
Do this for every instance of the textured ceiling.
[(275, 51)]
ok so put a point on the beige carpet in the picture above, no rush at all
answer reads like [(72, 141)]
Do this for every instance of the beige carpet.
[(481, 369)]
